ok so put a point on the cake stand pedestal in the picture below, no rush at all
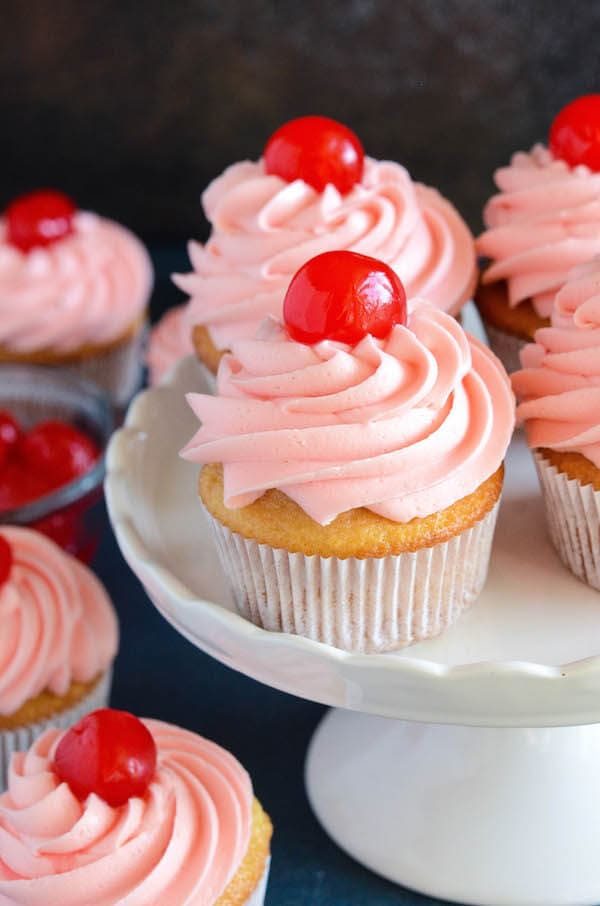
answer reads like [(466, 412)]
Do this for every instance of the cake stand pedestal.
[(431, 774), (493, 817)]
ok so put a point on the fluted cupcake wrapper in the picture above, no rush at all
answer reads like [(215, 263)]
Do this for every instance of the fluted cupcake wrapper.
[(20, 739), (573, 518), (374, 604), (506, 346), (118, 371), (258, 896)]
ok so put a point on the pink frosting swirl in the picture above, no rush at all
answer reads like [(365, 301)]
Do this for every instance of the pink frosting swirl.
[(405, 426), (57, 623), (264, 229), (544, 222), (87, 288), (179, 845), (170, 340), (560, 382)]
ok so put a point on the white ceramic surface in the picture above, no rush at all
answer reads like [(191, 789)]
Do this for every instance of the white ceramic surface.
[(490, 817), (527, 654)]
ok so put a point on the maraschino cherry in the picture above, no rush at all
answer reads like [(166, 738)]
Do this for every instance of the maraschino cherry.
[(317, 150), (575, 132), (343, 296), (6, 560), (19, 485), (63, 527), (58, 451), (39, 219), (109, 753), (10, 434)]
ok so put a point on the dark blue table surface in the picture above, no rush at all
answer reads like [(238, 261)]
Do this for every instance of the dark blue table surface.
[(159, 674)]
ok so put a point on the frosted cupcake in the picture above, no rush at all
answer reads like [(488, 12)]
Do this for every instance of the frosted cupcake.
[(119, 810), (544, 221), (170, 340), (353, 462), (314, 191), (58, 639), (559, 387), (74, 292)]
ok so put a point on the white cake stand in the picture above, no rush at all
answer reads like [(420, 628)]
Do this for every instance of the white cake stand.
[(456, 796)]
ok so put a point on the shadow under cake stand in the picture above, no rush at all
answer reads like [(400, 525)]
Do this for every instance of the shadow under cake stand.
[(466, 767)]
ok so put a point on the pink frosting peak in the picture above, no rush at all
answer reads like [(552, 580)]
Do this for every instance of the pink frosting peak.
[(179, 845), (170, 341), (405, 426), (560, 382), (57, 625), (87, 288), (264, 229), (544, 221)]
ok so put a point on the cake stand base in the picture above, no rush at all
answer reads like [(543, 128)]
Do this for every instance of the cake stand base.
[(492, 817)]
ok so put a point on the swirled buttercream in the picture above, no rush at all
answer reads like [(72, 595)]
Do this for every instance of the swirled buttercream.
[(57, 625), (544, 221), (88, 288), (404, 426), (170, 340), (264, 229), (559, 385), (179, 845)]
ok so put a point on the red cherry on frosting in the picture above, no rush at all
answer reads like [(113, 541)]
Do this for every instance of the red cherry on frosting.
[(318, 150), (59, 451), (110, 753), (575, 132), (6, 560), (39, 219), (343, 296)]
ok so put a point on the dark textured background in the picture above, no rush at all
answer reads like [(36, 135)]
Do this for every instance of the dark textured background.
[(134, 107)]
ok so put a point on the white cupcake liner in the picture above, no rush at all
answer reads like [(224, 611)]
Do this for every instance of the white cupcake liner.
[(118, 371), (258, 896), (372, 605), (573, 518), (506, 346), (20, 739)]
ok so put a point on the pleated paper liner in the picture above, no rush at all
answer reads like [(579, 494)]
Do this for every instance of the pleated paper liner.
[(372, 605), (573, 517), (118, 371), (506, 346), (20, 739)]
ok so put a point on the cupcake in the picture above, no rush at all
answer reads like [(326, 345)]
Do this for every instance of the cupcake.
[(118, 810), (58, 640), (74, 291), (544, 221), (315, 191), (559, 389), (170, 340), (353, 462)]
